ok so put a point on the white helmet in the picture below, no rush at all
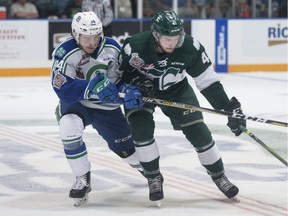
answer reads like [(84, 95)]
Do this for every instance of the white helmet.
[(86, 23)]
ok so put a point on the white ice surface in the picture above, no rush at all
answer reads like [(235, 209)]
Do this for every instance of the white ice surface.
[(35, 178)]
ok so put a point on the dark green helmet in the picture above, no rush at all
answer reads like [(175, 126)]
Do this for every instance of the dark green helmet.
[(167, 23)]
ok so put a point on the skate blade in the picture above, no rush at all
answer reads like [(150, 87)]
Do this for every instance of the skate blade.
[(158, 203), (235, 199), (80, 201), (232, 200)]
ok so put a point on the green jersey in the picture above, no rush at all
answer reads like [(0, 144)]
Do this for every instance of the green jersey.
[(168, 69)]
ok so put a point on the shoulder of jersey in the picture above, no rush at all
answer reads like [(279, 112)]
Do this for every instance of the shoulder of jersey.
[(191, 44), (65, 47), (111, 42)]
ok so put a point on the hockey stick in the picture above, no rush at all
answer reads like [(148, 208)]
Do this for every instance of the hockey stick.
[(245, 130), (213, 111)]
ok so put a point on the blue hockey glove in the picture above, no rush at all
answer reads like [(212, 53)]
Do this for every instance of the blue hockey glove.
[(101, 86), (133, 97), (234, 106)]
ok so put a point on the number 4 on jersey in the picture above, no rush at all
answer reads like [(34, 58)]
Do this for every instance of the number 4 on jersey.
[(205, 58)]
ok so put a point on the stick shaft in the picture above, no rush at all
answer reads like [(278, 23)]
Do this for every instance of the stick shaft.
[(245, 130), (218, 112)]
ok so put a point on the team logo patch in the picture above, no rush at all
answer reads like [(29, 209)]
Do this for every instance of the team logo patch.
[(84, 60), (136, 61), (58, 80), (79, 73), (60, 52)]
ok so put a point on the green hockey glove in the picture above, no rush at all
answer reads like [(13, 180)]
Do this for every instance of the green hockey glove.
[(145, 85), (234, 106)]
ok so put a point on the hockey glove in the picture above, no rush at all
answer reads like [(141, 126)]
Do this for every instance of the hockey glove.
[(106, 91), (145, 85), (234, 106), (133, 97)]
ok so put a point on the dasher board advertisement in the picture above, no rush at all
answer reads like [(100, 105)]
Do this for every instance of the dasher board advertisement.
[(24, 39), (258, 45)]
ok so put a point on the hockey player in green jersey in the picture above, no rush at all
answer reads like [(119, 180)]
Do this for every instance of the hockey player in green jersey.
[(158, 61)]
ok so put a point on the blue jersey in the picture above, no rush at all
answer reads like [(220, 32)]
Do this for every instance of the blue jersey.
[(73, 69)]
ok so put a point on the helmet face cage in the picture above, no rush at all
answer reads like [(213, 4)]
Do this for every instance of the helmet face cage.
[(86, 23), (169, 24)]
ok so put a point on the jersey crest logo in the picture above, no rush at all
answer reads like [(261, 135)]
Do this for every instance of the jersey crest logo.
[(79, 73), (58, 80), (84, 60), (165, 78), (136, 61)]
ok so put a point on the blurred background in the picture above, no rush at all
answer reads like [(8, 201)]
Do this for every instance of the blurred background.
[(239, 35), (146, 8)]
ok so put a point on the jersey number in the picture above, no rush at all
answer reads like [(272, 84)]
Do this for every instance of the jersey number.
[(58, 65), (205, 58)]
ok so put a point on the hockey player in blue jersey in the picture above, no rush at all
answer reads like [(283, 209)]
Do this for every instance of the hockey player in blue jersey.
[(85, 77)]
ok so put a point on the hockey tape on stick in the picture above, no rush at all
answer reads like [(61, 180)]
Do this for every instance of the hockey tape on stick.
[(245, 130)]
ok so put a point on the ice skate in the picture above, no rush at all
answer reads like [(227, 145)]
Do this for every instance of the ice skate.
[(80, 189), (228, 189), (156, 189)]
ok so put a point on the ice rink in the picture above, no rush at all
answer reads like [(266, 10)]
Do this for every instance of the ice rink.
[(35, 178)]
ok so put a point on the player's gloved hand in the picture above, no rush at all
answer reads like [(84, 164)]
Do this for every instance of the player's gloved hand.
[(234, 106), (104, 89), (133, 97), (145, 85)]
